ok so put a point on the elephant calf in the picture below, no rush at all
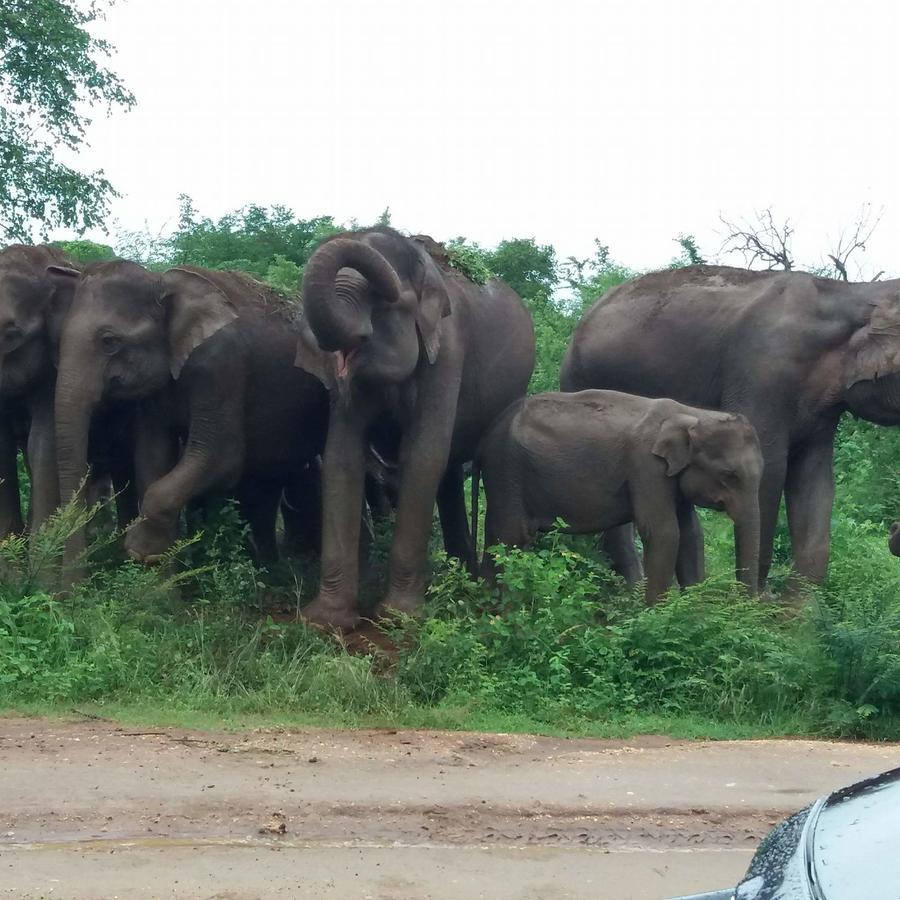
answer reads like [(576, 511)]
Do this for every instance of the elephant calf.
[(598, 459)]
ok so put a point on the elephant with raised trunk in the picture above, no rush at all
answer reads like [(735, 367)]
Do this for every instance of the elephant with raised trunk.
[(790, 351), (599, 459), (204, 361), (33, 304), (419, 360)]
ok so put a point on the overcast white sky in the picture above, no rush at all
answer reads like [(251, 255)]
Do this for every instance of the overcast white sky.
[(563, 120)]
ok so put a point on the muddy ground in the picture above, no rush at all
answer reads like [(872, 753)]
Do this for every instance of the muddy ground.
[(91, 809)]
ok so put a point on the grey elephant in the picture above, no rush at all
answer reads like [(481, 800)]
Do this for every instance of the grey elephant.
[(33, 304), (788, 350), (599, 459), (894, 538), (204, 363), (419, 360)]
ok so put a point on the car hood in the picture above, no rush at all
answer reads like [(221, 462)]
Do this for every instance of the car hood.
[(845, 846)]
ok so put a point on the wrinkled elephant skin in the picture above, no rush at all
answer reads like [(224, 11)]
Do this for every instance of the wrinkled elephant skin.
[(599, 459), (418, 357), (204, 362), (788, 350)]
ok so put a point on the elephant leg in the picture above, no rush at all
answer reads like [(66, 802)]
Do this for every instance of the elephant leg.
[(343, 477), (378, 498), (127, 504), (212, 457), (691, 565), (505, 522), (660, 539), (41, 454), (423, 460), (809, 497), (124, 478), (655, 503), (301, 511), (771, 489), (259, 499), (10, 498), (618, 544), (454, 520)]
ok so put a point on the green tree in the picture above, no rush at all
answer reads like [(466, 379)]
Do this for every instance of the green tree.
[(271, 244), (589, 278), (51, 72), (690, 253), (86, 251), (529, 268)]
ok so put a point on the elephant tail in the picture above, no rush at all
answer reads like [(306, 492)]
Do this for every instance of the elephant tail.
[(476, 485)]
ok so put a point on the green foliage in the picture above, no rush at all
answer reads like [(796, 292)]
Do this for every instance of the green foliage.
[(271, 244), (469, 258), (561, 646), (529, 268), (564, 646), (565, 643), (50, 74), (867, 471), (86, 252), (690, 253)]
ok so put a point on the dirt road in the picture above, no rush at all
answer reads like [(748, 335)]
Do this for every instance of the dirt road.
[(96, 810)]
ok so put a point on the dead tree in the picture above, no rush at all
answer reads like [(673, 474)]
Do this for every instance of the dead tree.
[(855, 239), (761, 241)]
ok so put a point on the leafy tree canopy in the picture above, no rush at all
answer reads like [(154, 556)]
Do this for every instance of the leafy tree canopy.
[(529, 268), (86, 251), (51, 71), (271, 244)]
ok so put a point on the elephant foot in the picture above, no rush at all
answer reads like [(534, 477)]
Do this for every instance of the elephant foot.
[(393, 607), (331, 615), (148, 542)]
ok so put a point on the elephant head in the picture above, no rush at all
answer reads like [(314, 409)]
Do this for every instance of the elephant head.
[(373, 302), (33, 304), (870, 361), (128, 334), (894, 538), (718, 463)]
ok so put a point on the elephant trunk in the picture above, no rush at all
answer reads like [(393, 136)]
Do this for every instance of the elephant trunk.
[(746, 543), (337, 324), (79, 389)]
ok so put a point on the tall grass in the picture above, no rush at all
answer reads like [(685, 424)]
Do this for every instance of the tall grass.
[(563, 647)]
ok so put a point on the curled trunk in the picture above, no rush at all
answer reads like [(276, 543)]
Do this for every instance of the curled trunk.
[(336, 325)]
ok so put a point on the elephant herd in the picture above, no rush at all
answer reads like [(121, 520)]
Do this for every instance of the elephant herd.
[(702, 386)]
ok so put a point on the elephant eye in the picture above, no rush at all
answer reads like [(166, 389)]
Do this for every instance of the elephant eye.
[(110, 342)]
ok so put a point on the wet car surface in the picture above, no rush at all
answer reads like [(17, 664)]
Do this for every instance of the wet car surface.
[(845, 846)]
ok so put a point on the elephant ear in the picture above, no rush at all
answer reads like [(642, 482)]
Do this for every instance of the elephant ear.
[(673, 442), (875, 347), (196, 310), (433, 305), (311, 358)]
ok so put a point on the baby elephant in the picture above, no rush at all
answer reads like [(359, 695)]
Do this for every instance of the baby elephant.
[(598, 459)]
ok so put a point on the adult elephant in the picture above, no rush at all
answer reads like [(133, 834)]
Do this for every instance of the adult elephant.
[(33, 304), (418, 359), (894, 538), (205, 361), (790, 351)]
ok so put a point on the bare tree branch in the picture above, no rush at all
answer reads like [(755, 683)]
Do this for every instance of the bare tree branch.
[(760, 241), (855, 239)]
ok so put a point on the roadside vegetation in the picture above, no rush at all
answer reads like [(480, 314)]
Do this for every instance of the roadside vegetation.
[(209, 638)]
